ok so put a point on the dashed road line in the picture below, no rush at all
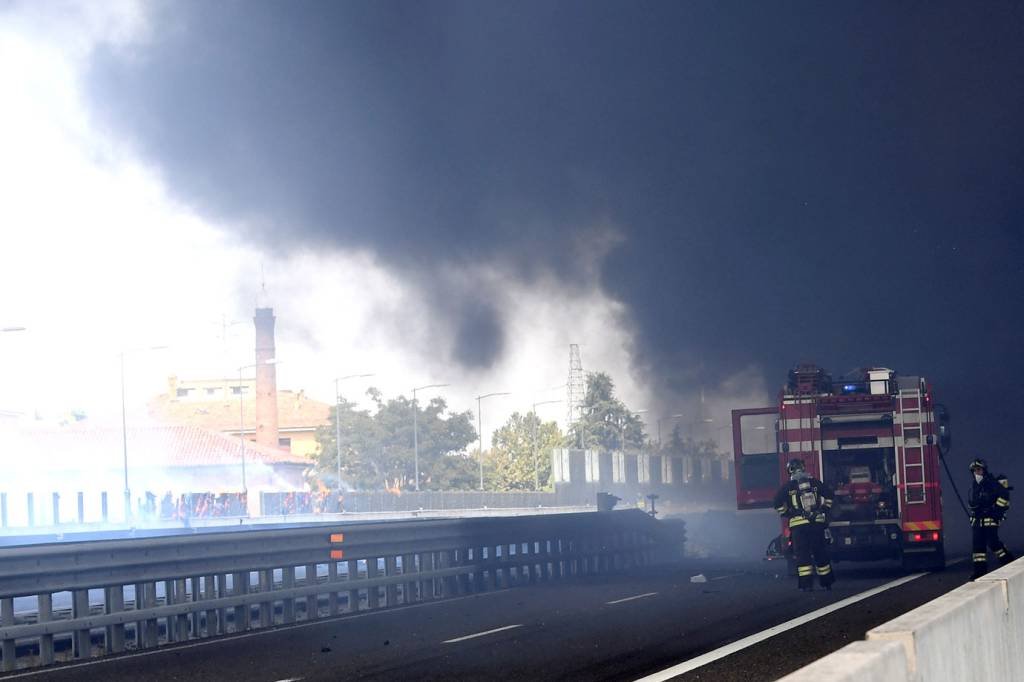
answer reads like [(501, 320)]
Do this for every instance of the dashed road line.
[(481, 634), (636, 596)]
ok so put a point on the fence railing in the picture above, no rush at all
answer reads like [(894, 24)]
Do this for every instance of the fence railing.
[(82, 600)]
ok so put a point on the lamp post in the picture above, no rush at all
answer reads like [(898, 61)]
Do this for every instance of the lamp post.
[(241, 415), (415, 430), (674, 416), (479, 426), (124, 422), (536, 466), (337, 416), (622, 429)]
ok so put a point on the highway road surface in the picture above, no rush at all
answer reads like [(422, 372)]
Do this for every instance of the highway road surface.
[(648, 622)]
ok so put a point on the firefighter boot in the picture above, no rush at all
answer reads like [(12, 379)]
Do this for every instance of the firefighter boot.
[(805, 578), (1004, 555), (825, 576), (980, 565)]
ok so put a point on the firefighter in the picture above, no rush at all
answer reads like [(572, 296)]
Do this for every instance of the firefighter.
[(989, 502), (807, 503)]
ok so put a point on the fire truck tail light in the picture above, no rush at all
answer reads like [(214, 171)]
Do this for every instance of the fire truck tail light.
[(932, 536), (935, 536), (917, 537)]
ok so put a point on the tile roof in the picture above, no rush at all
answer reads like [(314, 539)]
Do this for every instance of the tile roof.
[(151, 446), (294, 410)]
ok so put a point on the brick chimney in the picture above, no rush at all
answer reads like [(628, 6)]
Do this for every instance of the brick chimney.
[(266, 379)]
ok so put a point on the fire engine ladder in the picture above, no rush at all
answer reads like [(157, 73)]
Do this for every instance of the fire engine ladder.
[(914, 485)]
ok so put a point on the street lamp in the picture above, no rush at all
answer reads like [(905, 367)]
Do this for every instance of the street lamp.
[(337, 416), (674, 416), (622, 429), (124, 423), (415, 430), (536, 466), (479, 426), (241, 416)]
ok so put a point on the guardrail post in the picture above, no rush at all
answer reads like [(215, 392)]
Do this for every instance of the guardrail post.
[(243, 613), (220, 588), (288, 606), (169, 621), (80, 609), (266, 604), (56, 509), (7, 648), (353, 595), (45, 605), (391, 590), (502, 567), (409, 587), (332, 596), (196, 616), (113, 602), (373, 591), (426, 565), (31, 509), (181, 620), (209, 593), (103, 507), (313, 600), (81, 507)]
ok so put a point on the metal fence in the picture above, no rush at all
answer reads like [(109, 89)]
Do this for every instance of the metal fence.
[(82, 600)]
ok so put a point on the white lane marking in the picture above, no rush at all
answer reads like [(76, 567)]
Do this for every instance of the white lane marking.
[(740, 644), (723, 577), (481, 634), (292, 679), (246, 635), (638, 596)]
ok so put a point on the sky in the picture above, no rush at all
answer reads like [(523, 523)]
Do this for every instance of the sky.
[(701, 194)]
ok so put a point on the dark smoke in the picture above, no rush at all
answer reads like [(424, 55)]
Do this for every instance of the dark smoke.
[(830, 182)]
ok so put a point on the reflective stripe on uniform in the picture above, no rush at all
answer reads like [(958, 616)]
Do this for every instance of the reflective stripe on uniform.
[(798, 521), (827, 503), (1001, 553), (978, 557), (824, 570), (803, 571), (781, 510), (987, 522), (1002, 502)]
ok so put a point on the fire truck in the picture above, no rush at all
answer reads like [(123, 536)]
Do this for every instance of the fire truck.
[(876, 438)]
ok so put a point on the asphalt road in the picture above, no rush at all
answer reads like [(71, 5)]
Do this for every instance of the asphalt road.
[(613, 627)]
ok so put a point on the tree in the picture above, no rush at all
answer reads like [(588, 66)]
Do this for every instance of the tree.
[(509, 464), (605, 419), (688, 447), (377, 449)]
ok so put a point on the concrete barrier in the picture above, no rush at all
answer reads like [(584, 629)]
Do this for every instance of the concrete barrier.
[(975, 632), (944, 639), (858, 662)]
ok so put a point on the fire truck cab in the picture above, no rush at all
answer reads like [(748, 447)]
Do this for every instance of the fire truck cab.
[(874, 437)]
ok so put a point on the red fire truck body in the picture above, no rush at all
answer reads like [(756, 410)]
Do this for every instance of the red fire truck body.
[(874, 439)]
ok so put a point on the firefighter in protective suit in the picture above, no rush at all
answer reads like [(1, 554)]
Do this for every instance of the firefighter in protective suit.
[(989, 502), (807, 503)]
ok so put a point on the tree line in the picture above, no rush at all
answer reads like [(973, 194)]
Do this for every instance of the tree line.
[(378, 450)]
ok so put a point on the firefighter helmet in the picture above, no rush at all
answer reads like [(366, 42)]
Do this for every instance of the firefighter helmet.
[(978, 463), (795, 465)]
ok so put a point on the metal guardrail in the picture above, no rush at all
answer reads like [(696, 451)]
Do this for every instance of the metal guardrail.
[(97, 598)]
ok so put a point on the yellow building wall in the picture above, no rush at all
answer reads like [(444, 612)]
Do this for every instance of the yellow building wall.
[(303, 442)]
